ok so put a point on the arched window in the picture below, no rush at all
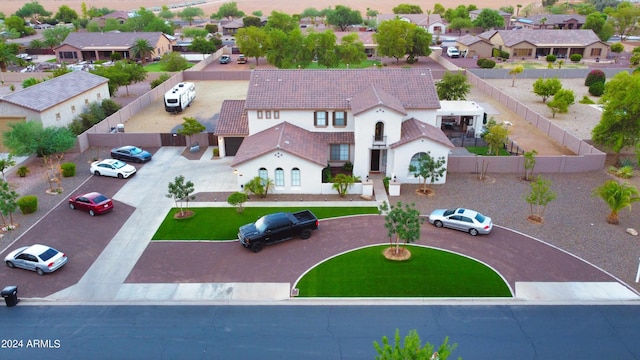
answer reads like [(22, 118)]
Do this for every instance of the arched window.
[(415, 158), (263, 174), (295, 177), (379, 134), (279, 177)]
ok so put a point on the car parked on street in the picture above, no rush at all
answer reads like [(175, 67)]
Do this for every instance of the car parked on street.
[(93, 202), (130, 153), (39, 258), (225, 59), (113, 168), (461, 219)]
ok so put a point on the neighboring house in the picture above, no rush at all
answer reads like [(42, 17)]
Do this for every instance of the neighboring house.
[(473, 14), (433, 23), (55, 102), (538, 43), (92, 46), (552, 21), (296, 122), (366, 37), (472, 46), (230, 27), (119, 16)]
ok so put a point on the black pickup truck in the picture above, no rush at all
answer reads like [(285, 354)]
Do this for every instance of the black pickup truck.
[(274, 228)]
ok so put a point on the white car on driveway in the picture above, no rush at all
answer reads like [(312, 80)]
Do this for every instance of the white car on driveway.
[(39, 258), (453, 52), (461, 219), (113, 168)]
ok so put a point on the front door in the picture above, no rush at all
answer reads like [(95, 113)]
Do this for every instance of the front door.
[(375, 160)]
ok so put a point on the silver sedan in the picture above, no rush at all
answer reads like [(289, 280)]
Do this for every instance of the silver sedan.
[(39, 258), (462, 219)]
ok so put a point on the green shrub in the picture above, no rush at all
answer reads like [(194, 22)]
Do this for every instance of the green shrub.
[(216, 152), (504, 54), (22, 171), (575, 57), (595, 76), (626, 162), (162, 78), (625, 172), (636, 50), (348, 167), (586, 100), (480, 61), (488, 64), (385, 181), (596, 89), (110, 107), (28, 204), (551, 58), (617, 47), (68, 169)]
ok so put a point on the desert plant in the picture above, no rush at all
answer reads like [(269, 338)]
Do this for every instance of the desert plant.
[(28, 204), (68, 169), (529, 164), (237, 199), (586, 100), (411, 347), (540, 195), (617, 196), (6, 163), (258, 186), (22, 171), (596, 89), (575, 58), (625, 172), (595, 76), (342, 183)]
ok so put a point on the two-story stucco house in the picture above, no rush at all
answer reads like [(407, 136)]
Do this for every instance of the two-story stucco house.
[(295, 122), (54, 102)]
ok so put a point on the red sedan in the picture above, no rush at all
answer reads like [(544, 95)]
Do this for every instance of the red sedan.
[(93, 202)]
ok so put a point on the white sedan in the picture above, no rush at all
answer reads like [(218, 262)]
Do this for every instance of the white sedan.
[(39, 258), (462, 219), (113, 168)]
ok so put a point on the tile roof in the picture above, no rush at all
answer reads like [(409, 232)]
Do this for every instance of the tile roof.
[(52, 92), (371, 97), (232, 120), (418, 19), (111, 40), (333, 89), (345, 137), (553, 19), (544, 37), (470, 40), (284, 137), (413, 129)]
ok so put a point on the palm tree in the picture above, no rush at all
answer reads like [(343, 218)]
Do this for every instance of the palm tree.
[(141, 49), (7, 56), (617, 196)]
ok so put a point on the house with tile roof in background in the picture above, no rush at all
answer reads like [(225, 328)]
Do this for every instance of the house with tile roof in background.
[(551, 21), (433, 23), (55, 102), (94, 46), (294, 123)]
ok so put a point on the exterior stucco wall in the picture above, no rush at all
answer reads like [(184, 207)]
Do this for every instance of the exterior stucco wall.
[(300, 118), (402, 158), (66, 111), (365, 132), (11, 110), (310, 173)]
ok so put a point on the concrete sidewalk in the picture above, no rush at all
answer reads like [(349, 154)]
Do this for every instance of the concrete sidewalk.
[(104, 282)]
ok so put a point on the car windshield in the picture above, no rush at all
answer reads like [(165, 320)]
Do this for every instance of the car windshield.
[(261, 225), (449, 212), (136, 151), (118, 164), (480, 218), (48, 254), (100, 198)]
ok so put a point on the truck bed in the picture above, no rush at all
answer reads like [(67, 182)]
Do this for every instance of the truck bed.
[(304, 216)]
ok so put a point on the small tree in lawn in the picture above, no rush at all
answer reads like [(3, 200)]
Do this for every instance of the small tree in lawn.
[(342, 183), (237, 199), (496, 136), (180, 191), (617, 196), (191, 126), (8, 205), (411, 348), (6, 163), (538, 198), (403, 221), (529, 164), (428, 168)]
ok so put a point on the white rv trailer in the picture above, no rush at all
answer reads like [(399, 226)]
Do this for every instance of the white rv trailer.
[(179, 97)]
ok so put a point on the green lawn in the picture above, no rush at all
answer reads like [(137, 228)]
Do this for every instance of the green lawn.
[(363, 65), (157, 67), (223, 223), (482, 150), (568, 64), (428, 273)]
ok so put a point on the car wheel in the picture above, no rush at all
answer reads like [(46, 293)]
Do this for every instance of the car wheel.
[(40, 271), (92, 213), (438, 223), (120, 176), (473, 232), (71, 206), (305, 234), (256, 246), (10, 264), (96, 173)]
